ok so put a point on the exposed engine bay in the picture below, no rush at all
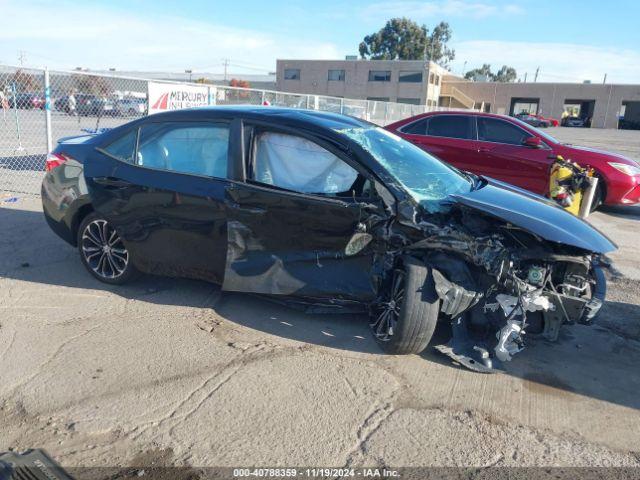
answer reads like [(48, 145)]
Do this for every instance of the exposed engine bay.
[(499, 284)]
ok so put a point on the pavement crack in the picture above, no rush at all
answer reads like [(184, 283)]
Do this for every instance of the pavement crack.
[(50, 359), (367, 429)]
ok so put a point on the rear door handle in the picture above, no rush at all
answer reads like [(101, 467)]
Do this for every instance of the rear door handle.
[(112, 182)]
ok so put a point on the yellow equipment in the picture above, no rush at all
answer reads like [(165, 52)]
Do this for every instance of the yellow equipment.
[(572, 186)]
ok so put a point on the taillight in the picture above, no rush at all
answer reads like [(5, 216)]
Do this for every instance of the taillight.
[(54, 160)]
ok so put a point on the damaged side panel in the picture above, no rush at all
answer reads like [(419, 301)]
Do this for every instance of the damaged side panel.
[(284, 243)]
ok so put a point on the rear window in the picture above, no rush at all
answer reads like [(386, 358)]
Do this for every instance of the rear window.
[(416, 128), (450, 126), (124, 147)]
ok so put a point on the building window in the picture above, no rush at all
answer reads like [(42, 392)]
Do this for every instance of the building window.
[(437, 80), (431, 78), (378, 99), (336, 76), (379, 75), (410, 77), (412, 101), (292, 74)]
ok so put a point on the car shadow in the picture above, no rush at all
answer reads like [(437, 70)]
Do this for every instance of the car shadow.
[(629, 212), (598, 361)]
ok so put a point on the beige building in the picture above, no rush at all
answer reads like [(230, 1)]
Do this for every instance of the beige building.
[(603, 104), (404, 81), (426, 83)]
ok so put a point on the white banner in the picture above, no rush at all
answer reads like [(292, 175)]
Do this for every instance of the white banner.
[(166, 96)]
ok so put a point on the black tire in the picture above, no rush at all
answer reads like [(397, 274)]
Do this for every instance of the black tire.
[(412, 316), (102, 252)]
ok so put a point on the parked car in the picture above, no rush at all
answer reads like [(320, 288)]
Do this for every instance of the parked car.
[(573, 122), (510, 150), (26, 101), (331, 212), (61, 104), (552, 121), (93, 105), (131, 107), (533, 120)]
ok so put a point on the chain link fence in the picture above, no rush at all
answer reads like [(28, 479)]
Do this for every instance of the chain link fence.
[(38, 107)]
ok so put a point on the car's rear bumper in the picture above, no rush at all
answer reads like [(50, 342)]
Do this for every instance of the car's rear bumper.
[(60, 229), (63, 195)]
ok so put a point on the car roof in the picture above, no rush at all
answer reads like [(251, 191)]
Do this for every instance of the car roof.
[(475, 113), (268, 114)]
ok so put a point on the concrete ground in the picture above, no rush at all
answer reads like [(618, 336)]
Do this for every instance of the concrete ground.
[(101, 375)]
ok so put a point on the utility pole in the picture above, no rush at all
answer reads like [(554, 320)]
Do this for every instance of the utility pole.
[(464, 67), (605, 79), (21, 57), (525, 77), (535, 79), (225, 62)]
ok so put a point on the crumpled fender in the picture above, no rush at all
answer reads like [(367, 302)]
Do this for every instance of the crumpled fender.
[(539, 216)]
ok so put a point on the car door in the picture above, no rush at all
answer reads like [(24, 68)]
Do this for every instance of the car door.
[(506, 158), (299, 225), (162, 187), (449, 137)]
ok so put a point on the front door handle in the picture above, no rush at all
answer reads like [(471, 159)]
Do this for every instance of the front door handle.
[(112, 182)]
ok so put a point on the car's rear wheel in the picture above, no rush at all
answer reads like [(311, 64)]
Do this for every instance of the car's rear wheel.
[(403, 323), (102, 251)]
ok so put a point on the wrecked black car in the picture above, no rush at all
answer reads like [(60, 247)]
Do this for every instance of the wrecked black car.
[(330, 213)]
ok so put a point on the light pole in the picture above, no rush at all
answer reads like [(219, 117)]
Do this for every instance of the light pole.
[(189, 72)]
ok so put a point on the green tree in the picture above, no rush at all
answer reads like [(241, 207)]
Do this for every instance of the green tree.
[(505, 74), (484, 71), (404, 39)]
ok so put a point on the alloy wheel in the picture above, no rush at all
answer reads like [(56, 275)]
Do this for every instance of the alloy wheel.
[(388, 313), (103, 250)]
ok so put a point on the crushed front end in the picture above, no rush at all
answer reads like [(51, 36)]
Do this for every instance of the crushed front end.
[(499, 283)]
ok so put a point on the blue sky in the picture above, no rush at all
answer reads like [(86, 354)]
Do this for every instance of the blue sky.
[(569, 40)]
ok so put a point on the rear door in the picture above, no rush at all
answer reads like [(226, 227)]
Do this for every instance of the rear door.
[(504, 157), (449, 137), (299, 225), (162, 187)]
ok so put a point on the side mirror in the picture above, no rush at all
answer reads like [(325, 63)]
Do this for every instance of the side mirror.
[(532, 142)]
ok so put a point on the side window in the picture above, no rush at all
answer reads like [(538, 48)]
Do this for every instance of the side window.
[(196, 148), (451, 126), (416, 128), (124, 147), (494, 130), (295, 163)]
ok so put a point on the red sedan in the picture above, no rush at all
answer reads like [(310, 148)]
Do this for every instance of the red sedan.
[(507, 149)]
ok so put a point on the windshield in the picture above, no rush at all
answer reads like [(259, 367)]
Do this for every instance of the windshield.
[(426, 179)]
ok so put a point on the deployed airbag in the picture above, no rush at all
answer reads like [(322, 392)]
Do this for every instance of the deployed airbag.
[(295, 163)]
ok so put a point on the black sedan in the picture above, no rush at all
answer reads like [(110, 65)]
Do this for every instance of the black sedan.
[(329, 212)]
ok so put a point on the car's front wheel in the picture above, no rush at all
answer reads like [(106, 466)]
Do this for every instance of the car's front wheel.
[(102, 251), (403, 323)]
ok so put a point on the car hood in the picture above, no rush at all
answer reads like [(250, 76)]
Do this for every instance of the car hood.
[(573, 152), (535, 214)]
